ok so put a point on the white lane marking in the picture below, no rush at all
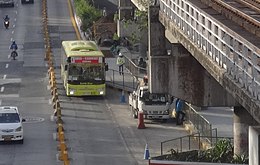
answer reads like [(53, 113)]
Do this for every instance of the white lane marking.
[(10, 80), (2, 89), (4, 76), (15, 20), (54, 135), (13, 32), (50, 101), (0, 102), (11, 39), (8, 95), (16, 10), (52, 118), (13, 26), (6, 65)]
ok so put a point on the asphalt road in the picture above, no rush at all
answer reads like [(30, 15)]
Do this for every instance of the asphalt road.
[(23, 84), (101, 130)]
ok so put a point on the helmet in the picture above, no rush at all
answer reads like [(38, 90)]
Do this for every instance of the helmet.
[(120, 54), (13, 41)]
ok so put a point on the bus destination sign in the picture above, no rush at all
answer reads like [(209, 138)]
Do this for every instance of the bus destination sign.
[(92, 60)]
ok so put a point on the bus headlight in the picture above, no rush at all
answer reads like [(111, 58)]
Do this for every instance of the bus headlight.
[(71, 91), (101, 92)]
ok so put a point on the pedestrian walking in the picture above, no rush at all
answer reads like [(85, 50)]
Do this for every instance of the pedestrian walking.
[(120, 61), (104, 12), (179, 112)]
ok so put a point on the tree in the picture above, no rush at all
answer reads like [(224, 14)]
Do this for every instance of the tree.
[(87, 13)]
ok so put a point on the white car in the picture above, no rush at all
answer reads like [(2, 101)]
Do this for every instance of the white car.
[(11, 127)]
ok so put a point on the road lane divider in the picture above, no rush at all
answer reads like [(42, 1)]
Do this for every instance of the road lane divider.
[(60, 136)]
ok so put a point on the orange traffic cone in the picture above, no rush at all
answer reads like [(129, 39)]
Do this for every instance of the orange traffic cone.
[(140, 120)]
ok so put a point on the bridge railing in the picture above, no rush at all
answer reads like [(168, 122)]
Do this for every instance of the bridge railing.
[(231, 51)]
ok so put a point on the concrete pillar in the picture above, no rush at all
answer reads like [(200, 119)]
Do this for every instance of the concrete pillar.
[(242, 121), (254, 145), (158, 58)]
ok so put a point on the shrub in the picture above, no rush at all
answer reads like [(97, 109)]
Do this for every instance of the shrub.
[(87, 13), (222, 152)]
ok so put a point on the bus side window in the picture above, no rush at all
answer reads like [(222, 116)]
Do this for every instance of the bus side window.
[(66, 67)]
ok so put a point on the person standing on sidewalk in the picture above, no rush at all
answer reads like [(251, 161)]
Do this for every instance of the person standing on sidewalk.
[(179, 112), (120, 61)]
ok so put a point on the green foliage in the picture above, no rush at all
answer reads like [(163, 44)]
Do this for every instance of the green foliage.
[(222, 152), (141, 19), (145, 3), (134, 38), (87, 13), (240, 159)]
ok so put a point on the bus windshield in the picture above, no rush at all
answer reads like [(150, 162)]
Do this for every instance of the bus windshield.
[(86, 73)]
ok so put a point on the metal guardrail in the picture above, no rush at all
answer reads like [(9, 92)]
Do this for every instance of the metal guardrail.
[(134, 69), (129, 80), (204, 134), (202, 125), (190, 142), (126, 81)]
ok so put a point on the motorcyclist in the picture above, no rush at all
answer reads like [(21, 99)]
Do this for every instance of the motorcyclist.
[(13, 46), (6, 18), (6, 21)]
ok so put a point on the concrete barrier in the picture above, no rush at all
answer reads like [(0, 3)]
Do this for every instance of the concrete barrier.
[(62, 147)]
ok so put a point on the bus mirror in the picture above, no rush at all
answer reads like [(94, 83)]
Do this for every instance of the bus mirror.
[(66, 67), (106, 67)]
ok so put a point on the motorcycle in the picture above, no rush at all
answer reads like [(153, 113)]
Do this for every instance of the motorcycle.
[(14, 54), (6, 24)]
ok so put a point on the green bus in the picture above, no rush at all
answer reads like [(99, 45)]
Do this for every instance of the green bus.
[(83, 68)]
